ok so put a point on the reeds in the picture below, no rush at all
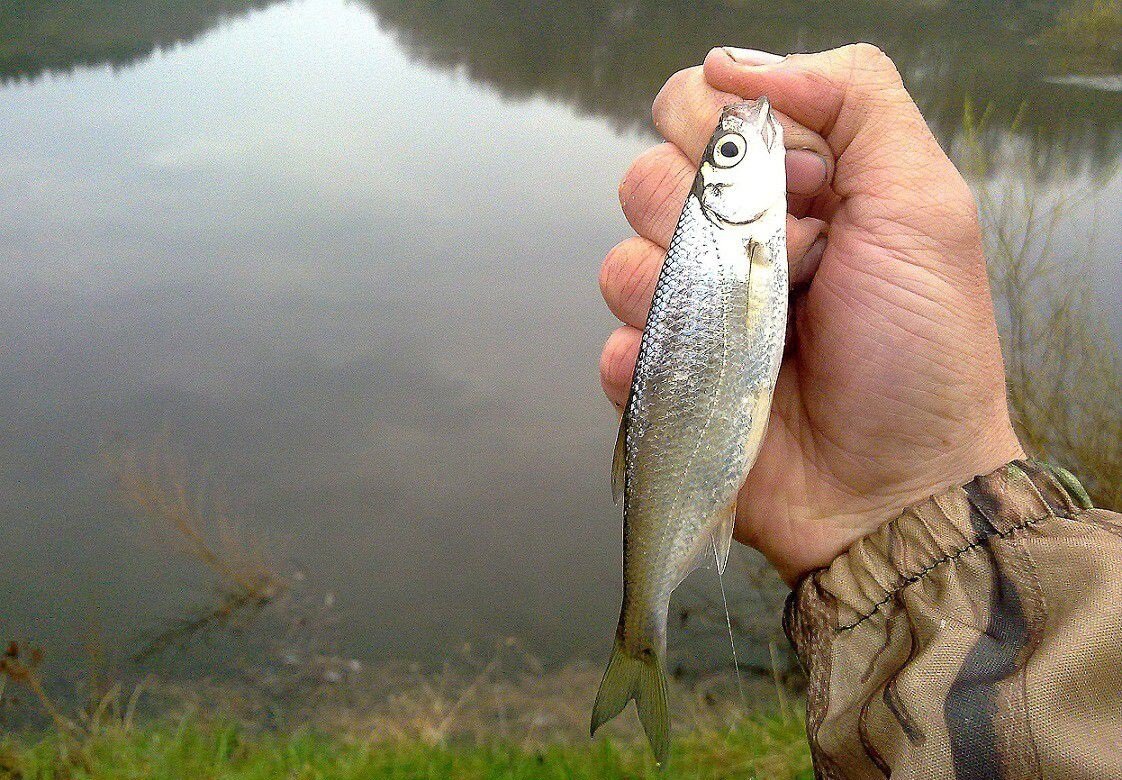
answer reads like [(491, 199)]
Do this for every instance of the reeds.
[(1063, 365)]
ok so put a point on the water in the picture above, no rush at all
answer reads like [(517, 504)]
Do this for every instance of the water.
[(339, 258)]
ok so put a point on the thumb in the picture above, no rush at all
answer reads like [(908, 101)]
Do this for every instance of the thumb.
[(852, 96), (890, 169)]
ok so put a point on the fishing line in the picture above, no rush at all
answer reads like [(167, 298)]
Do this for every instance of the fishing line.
[(728, 621)]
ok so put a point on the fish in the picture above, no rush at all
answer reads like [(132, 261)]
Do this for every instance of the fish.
[(700, 397)]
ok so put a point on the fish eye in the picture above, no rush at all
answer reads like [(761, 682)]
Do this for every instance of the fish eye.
[(728, 150)]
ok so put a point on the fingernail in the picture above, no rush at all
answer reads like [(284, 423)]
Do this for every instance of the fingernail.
[(807, 172), (751, 56)]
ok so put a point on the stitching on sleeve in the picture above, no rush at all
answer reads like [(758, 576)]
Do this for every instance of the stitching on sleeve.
[(953, 556)]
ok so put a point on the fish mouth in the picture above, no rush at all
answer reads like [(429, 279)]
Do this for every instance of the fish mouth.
[(715, 191)]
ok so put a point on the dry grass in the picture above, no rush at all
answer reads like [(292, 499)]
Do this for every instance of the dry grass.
[(475, 698), (1063, 366)]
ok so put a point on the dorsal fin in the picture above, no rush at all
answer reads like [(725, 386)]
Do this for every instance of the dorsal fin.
[(619, 461)]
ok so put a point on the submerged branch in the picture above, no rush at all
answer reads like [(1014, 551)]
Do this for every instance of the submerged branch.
[(243, 584)]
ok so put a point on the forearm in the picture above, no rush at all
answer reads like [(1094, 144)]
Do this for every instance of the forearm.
[(974, 637)]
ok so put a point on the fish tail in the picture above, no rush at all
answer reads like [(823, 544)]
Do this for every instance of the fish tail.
[(641, 679)]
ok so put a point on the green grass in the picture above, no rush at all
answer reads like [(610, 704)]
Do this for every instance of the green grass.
[(762, 746)]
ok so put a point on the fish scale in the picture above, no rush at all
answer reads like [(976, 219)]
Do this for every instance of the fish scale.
[(700, 396)]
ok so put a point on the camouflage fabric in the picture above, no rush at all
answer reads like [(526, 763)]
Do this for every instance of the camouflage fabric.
[(977, 636)]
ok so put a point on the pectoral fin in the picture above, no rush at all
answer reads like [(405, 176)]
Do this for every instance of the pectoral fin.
[(759, 275), (754, 250)]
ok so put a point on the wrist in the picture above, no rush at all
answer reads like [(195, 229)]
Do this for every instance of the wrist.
[(873, 507), (938, 531)]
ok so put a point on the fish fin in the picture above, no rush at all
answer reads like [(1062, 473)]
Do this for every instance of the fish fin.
[(718, 541), (641, 679), (754, 251), (722, 537), (619, 461)]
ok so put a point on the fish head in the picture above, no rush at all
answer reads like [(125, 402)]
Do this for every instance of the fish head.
[(742, 176)]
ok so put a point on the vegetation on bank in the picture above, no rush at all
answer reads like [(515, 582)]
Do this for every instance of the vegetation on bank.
[(498, 714), (759, 746), (1063, 365)]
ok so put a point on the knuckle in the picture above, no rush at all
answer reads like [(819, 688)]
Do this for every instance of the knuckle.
[(609, 363), (672, 86), (610, 270), (637, 173), (870, 57), (953, 193), (970, 206), (649, 184), (966, 206), (627, 184), (633, 277), (633, 282), (614, 369), (682, 90), (870, 64), (607, 359)]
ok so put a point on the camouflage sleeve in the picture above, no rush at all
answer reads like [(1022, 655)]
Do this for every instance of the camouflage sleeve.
[(977, 636)]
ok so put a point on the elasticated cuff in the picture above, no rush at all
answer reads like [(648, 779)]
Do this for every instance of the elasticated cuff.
[(927, 536), (976, 636)]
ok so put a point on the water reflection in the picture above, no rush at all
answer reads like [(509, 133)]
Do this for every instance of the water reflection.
[(380, 359), (379, 350), (40, 36), (609, 58)]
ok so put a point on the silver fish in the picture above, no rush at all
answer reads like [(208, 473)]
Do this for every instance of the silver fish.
[(700, 397)]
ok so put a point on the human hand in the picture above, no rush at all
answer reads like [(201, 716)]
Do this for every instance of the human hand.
[(893, 387)]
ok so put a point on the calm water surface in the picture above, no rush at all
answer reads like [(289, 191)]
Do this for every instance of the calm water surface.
[(339, 258)]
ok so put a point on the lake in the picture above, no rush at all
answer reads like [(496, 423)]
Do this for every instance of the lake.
[(336, 262)]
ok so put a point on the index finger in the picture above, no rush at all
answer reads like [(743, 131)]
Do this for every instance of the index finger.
[(832, 92)]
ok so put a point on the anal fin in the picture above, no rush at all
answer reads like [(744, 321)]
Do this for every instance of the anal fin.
[(722, 536), (717, 540)]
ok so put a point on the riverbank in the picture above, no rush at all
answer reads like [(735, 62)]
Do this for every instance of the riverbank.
[(764, 744), (490, 715)]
